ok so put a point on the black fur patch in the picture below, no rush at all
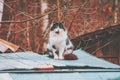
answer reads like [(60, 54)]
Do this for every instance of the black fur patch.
[(49, 50), (70, 48), (53, 46), (55, 25), (61, 26), (67, 41), (57, 52)]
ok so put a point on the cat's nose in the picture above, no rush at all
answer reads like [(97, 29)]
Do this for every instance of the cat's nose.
[(57, 32)]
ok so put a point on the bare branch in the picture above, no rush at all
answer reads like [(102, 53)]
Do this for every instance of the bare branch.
[(20, 12), (29, 19)]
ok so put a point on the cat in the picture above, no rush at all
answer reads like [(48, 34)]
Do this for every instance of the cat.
[(59, 42)]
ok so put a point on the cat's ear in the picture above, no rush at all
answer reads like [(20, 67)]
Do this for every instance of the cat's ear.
[(54, 22), (62, 22), (52, 26)]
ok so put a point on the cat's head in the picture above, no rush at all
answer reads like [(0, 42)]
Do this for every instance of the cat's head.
[(57, 27)]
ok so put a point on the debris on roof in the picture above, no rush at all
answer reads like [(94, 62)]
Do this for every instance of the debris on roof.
[(5, 45)]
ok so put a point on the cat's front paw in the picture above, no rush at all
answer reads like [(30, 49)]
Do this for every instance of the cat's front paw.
[(56, 57), (61, 57)]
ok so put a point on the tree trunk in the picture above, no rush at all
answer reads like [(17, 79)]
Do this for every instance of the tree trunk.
[(1, 10), (45, 21), (116, 12), (43, 11)]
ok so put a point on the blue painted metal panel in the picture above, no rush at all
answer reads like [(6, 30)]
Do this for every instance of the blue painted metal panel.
[(84, 59), (67, 76)]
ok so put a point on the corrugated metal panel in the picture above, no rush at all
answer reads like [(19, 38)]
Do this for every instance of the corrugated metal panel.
[(11, 61), (66, 76)]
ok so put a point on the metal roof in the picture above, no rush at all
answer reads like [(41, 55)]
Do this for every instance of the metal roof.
[(97, 69), (30, 60)]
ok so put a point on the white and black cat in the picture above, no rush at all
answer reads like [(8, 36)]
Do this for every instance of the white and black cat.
[(59, 43)]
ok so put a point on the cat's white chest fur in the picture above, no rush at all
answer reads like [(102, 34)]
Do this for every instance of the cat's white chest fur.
[(58, 39)]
